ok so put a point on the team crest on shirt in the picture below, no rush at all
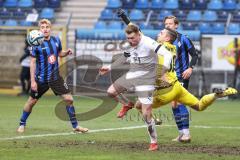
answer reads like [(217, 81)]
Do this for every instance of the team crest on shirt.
[(179, 44), (52, 59)]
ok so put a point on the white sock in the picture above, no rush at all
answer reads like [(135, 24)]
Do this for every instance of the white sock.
[(180, 132), (152, 131), (186, 131)]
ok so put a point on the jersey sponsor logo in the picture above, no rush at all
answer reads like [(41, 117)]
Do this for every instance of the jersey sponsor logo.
[(52, 59)]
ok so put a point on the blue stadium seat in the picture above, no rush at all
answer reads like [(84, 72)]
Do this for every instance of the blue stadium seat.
[(171, 4), (215, 5), (180, 27), (209, 16), (205, 28), (218, 28), (233, 28), (188, 26), (163, 14), (143, 25), (229, 5), (142, 4), (25, 3), (158, 25), (222, 16), (157, 4), (128, 4), (114, 4), (200, 4), (181, 15), (5, 14), (10, 3), (238, 6), (40, 4), (236, 16), (136, 15), (186, 4), (106, 14), (25, 23), (1, 3), (55, 4), (47, 13), (194, 15), (114, 25), (10, 22), (100, 25), (1, 22), (19, 14)]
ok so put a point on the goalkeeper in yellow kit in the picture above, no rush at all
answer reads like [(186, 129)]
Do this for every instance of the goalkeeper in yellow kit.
[(169, 89)]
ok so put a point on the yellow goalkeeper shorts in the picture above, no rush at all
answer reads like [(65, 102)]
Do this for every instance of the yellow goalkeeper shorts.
[(174, 93)]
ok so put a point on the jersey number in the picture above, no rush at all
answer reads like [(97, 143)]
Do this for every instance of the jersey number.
[(172, 64)]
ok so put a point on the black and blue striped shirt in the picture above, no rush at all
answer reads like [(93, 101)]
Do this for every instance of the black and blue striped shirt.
[(184, 48), (46, 56)]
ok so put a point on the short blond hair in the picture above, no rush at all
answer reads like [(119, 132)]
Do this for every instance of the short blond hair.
[(44, 21), (132, 28)]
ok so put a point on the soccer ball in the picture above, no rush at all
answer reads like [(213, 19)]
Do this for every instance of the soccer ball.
[(35, 38)]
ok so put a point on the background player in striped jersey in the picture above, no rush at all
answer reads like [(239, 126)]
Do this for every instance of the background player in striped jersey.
[(183, 69), (44, 72)]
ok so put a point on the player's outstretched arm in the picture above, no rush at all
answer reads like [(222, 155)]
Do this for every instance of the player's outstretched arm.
[(121, 13)]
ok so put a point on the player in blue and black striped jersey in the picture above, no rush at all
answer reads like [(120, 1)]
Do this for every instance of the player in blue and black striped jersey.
[(44, 73), (183, 68)]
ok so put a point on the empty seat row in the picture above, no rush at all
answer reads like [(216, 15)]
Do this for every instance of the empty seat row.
[(19, 14), (173, 4), (143, 4), (13, 22), (192, 15), (30, 3), (210, 5), (219, 28), (205, 28)]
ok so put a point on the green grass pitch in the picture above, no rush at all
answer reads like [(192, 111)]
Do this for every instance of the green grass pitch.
[(215, 133)]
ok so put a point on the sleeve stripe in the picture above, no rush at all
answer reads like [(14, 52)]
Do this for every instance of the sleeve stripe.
[(156, 50)]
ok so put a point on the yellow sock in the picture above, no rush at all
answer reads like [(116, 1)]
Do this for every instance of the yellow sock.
[(206, 101)]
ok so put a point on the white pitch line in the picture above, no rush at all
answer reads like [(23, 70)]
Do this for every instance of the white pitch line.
[(113, 129), (70, 133)]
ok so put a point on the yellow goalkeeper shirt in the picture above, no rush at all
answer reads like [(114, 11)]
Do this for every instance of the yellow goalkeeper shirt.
[(166, 77)]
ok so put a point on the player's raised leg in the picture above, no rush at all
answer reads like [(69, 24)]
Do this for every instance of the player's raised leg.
[(208, 99)]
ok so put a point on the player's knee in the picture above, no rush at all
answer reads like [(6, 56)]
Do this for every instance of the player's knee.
[(138, 105), (32, 101), (197, 108), (111, 93), (68, 100)]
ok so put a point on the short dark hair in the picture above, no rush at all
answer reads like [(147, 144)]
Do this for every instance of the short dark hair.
[(176, 21), (172, 33), (132, 28)]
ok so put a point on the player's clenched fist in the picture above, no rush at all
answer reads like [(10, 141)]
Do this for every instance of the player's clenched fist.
[(104, 70)]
